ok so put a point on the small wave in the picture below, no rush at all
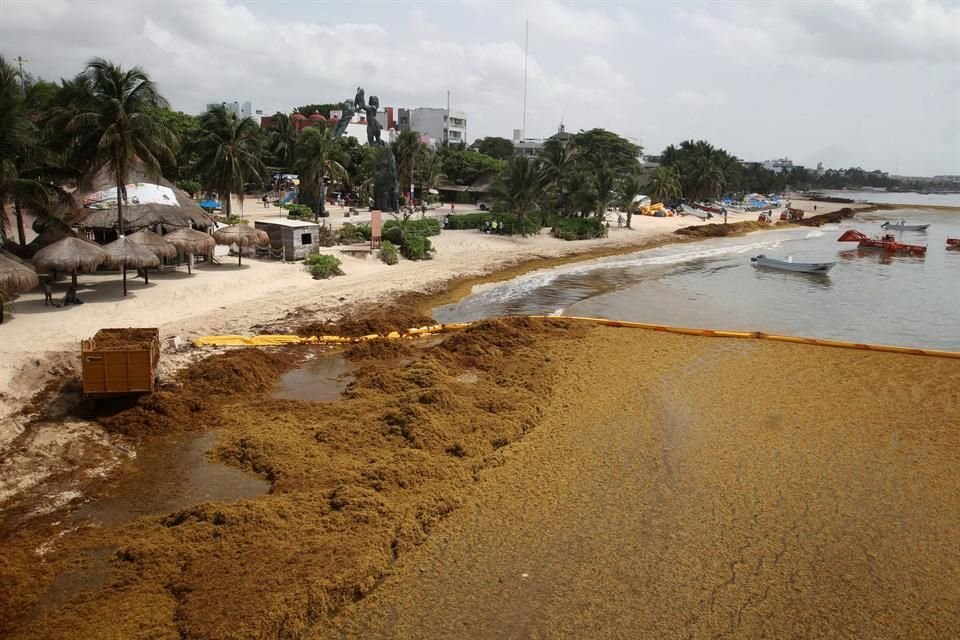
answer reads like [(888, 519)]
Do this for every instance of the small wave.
[(816, 233)]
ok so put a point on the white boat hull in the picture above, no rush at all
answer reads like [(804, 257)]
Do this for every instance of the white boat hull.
[(798, 267), (904, 227)]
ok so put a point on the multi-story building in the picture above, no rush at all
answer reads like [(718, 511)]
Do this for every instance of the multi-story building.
[(244, 110), (434, 123)]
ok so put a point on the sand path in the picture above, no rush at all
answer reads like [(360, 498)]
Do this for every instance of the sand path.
[(647, 504)]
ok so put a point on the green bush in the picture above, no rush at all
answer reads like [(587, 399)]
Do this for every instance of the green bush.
[(423, 227), (234, 219), (354, 233), (511, 224), (578, 228), (190, 186), (323, 266), (300, 212), (327, 237), (416, 248), (394, 235), (388, 253)]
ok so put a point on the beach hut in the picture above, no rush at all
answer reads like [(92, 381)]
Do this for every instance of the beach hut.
[(15, 277), (124, 253), (149, 202), (70, 255), (242, 235), (191, 242), (155, 244), (297, 238)]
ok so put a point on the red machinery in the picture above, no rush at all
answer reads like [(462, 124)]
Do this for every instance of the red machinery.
[(886, 243)]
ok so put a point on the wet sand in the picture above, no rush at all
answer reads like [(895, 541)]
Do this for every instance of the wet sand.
[(682, 488)]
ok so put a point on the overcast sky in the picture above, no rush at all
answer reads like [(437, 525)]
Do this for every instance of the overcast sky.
[(846, 83)]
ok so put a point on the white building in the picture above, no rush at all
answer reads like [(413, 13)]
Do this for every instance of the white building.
[(434, 123), (779, 165), (244, 110)]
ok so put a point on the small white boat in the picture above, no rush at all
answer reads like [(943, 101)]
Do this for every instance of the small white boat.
[(903, 226), (690, 211), (790, 265)]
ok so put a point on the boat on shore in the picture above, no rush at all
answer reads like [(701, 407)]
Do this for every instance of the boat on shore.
[(953, 243), (703, 215), (886, 243), (789, 265), (902, 226)]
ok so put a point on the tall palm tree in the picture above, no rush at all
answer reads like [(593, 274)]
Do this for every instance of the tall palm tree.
[(283, 139), (665, 185), (111, 127), (430, 170), (228, 152), (316, 157), (707, 176), (519, 188), (630, 188), (606, 193), (409, 152)]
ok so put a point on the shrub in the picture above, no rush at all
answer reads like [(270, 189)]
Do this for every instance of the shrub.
[(300, 212), (234, 219), (327, 237), (323, 266), (416, 248), (424, 227), (388, 253), (578, 228), (354, 233), (511, 224), (393, 235)]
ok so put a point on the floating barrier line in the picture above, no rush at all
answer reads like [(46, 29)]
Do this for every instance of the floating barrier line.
[(269, 340)]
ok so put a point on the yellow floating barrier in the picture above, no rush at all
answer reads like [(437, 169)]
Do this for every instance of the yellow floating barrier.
[(275, 340)]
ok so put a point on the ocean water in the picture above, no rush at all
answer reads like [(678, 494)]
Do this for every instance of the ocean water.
[(884, 197), (868, 296)]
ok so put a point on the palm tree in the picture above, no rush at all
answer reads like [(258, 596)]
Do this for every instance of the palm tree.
[(665, 185), (111, 127), (605, 190), (630, 188), (228, 152), (409, 152), (518, 189), (707, 176), (316, 157), (430, 171), (283, 139)]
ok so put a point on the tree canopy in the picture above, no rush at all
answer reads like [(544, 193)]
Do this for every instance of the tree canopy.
[(495, 147)]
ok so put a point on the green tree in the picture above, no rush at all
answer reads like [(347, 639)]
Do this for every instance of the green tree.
[(409, 152), (110, 122), (465, 166), (283, 138), (316, 157), (186, 129), (323, 109), (606, 194), (664, 186), (430, 173), (630, 189), (228, 153), (519, 188), (495, 147), (599, 147)]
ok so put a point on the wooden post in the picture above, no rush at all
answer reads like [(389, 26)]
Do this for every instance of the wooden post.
[(375, 228), (124, 279)]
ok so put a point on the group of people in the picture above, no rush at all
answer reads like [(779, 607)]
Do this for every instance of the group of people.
[(69, 298)]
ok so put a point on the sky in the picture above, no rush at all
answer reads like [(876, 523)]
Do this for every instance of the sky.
[(859, 83)]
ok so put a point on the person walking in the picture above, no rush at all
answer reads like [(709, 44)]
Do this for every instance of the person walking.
[(453, 208), (47, 293)]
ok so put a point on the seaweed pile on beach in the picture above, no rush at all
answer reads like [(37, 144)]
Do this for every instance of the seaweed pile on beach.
[(722, 230), (355, 483)]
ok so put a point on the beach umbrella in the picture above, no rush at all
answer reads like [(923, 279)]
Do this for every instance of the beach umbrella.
[(71, 255), (191, 241), (242, 235), (15, 277), (124, 253), (155, 244)]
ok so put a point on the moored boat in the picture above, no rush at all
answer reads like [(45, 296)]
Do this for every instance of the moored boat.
[(886, 243), (903, 226), (789, 265), (953, 243), (704, 215)]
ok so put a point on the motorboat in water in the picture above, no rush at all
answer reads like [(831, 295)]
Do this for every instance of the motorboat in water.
[(903, 226), (887, 243), (953, 243), (789, 265)]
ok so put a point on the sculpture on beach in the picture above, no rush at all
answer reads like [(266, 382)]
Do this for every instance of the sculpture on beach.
[(386, 191)]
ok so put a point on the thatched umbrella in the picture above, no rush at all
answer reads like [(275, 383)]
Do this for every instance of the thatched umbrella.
[(190, 242), (70, 254), (124, 253), (242, 235), (155, 244), (15, 277)]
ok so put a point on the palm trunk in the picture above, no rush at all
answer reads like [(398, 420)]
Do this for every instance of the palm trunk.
[(124, 280), (21, 233), (116, 156), (629, 218), (228, 204)]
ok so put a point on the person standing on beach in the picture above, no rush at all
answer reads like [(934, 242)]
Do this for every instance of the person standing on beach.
[(724, 215), (47, 293)]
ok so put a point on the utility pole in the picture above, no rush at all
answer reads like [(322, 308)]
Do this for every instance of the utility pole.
[(526, 50), (446, 131), (23, 86)]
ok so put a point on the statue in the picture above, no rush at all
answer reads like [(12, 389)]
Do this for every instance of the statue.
[(386, 193)]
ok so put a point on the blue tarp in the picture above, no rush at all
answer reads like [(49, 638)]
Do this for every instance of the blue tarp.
[(210, 204)]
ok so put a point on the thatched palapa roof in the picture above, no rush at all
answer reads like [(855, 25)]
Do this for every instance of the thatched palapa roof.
[(179, 211), (242, 235), (154, 243), (15, 276), (70, 254), (124, 252), (191, 241)]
